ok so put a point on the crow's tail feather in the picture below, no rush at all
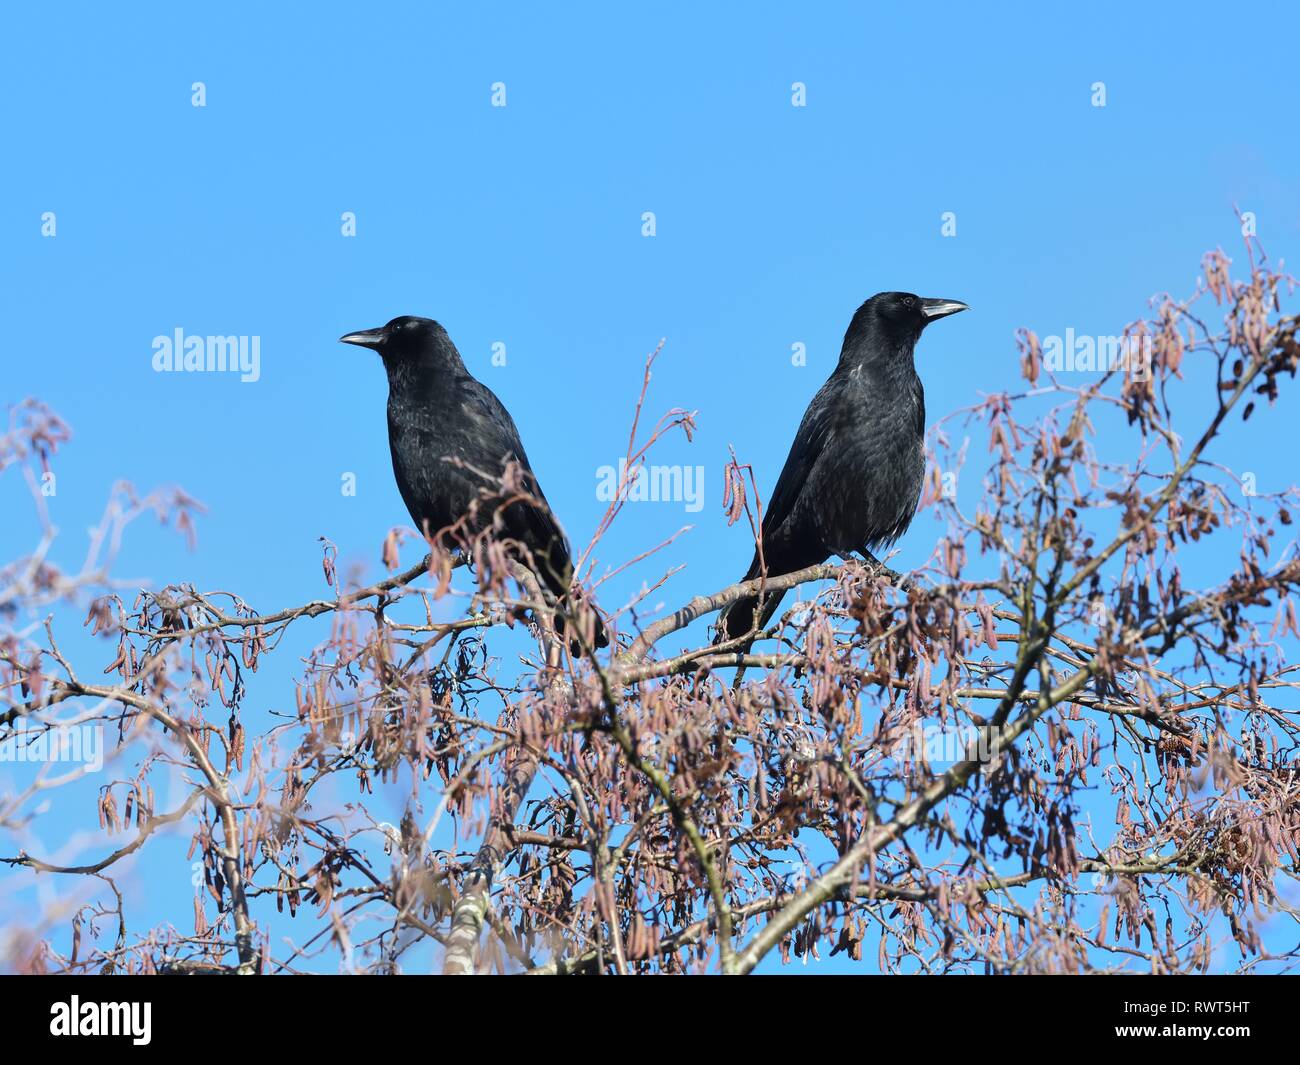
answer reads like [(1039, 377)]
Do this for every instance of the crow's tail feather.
[(557, 575), (600, 637), (741, 618), (744, 615)]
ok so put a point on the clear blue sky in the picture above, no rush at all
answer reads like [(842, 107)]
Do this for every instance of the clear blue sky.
[(523, 225)]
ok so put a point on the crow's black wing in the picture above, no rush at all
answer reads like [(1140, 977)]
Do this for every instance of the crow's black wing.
[(532, 524), (486, 434), (495, 442), (791, 534), (788, 515)]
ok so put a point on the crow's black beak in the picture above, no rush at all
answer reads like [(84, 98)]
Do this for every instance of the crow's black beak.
[(367, 338), (933, 309)]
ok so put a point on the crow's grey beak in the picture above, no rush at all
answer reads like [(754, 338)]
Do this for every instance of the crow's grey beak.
[(933, 309), (367, 338)]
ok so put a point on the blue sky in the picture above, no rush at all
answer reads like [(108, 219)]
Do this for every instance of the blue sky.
[(522, 225)]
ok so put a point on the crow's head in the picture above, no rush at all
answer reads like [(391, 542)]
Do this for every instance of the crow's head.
[(406, 340), (899, 316)]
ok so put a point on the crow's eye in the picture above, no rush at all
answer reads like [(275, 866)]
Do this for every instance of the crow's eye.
[(908, 301)]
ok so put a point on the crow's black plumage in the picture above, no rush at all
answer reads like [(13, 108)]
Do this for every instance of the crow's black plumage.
[(853, 477), (451, 439)]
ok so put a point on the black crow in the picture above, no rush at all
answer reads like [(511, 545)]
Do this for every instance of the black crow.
[(854, 473), (451, 439)]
